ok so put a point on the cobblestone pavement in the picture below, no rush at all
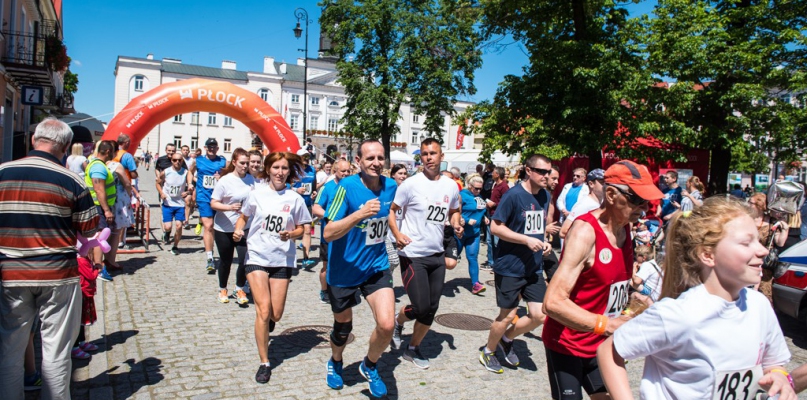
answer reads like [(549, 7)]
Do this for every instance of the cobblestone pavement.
[(163, 334)]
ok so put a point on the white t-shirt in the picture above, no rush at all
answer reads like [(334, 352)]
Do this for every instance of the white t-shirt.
[(74, 164), (175, 183), (230, 189), (650, 272), (583, 206), (700, 346), (322, 177), (271, 213), (427, 204)]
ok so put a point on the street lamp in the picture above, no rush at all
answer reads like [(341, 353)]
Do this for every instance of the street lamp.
[(301, 13)]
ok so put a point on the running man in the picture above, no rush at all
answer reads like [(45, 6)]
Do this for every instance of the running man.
[(190, 203), (172, 185), (357, 225), (430, 199), (207, 173), (325, 196), (585, 300), (307, 187), (519, 223)]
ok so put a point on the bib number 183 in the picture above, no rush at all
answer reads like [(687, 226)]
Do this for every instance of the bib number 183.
[(737, 385)]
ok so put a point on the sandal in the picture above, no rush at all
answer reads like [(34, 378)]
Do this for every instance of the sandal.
[(88, 347), (79, 354)]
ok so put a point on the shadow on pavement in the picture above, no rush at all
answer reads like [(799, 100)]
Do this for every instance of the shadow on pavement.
[(146, 372), (793, 329), (107, 342), (456, 285), (132, 265)]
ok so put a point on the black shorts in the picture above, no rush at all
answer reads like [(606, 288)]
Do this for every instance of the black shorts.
[(550, 265), (343, 298), (323, 251), (274, 272), (450, 243), (567, 374), (532, 289)]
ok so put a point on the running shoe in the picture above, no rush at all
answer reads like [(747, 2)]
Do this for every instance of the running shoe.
[(308, 263), (104, 275), (241, 297), (175, 250), (246, 288), (478, 288), (79, 354), (263, 374), (87, 346), (223, 297), (334, 377), (271, 326), (486, 267), (33, 382), (198, 229), (416, 357), (396, 334), (211, 266), (299, 246), (490, 362), (167, 238), (323, 297), (507, 350), (377, 386)]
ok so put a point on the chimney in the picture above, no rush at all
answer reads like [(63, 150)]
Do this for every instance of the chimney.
[(149, 56), (283, 69), (227, 64), (269, 66), (172, 60), (301, 61)]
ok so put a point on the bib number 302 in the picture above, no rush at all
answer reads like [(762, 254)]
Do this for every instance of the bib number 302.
[(742, 384), (376, 231), (617, 299)]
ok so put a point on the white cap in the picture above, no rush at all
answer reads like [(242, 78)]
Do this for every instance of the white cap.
[(302, 152)]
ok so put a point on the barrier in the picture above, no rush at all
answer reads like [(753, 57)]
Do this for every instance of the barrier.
[(139, 232)]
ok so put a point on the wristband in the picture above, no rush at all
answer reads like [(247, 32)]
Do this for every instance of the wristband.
[(787, 375), (602, 323), (645, 290)]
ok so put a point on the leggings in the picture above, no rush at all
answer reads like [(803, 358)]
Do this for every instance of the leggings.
[(225, 244), (423, 279)]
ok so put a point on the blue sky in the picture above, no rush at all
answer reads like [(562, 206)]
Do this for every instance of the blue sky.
[(203, 32)]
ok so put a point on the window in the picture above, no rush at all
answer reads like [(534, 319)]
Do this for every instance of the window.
[(416, 119), (228, 121), (138, 83), (334, 103), (295, 98), (178, 141), (194, 143), (195, 118), (178, 118), (228, 145), (315, 101), (211, 119), (333, 125), (314, 123), (415, 138), (293, 122), (264, 93)]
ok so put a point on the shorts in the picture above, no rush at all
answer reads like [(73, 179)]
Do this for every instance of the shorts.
[(323, 251), (173, 214), (205, 211), (450, 243), (532, 289), (274, 272), (102, 222), (567, 374), (342, 298), (550, 265)]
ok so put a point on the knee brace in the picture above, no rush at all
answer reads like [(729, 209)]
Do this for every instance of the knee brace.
[(409, 312), (340, 332), (426, 318)]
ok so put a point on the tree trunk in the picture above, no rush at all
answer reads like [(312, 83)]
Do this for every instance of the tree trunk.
[(719, 170), (594, 160)]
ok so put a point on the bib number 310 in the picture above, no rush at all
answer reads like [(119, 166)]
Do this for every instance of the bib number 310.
[(740, 384), (534, 222)]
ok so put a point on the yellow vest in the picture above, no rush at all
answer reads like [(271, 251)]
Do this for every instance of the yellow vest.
[(109, 185)]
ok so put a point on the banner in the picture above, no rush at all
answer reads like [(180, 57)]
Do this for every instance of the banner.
[(460, 136)]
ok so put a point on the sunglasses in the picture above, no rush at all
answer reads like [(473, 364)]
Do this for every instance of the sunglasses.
[(475, 188), (579, 176), (633, 198), (176, 160), (540, 171)]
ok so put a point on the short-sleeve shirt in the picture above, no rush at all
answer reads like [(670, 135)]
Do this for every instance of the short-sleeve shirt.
[(307, 180), (231, 189), (98, 170), (272, 212), (524, 213), (205, 170), (128, 162), (324, 197), (427, 203), (164, 162), (650, 273), (362, 252), (670, 196), (473, 208)]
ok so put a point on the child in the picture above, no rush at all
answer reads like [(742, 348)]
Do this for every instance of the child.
[(647, 280), (643, 234), (87, 276), (709, 336)]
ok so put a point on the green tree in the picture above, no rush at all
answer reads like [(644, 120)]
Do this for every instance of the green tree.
[(70, 82), (392, 52)]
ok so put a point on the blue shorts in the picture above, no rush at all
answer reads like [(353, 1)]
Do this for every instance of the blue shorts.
[(173, 214), (205, 211)]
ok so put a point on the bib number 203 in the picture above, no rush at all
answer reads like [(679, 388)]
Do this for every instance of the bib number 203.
[(437, 215)]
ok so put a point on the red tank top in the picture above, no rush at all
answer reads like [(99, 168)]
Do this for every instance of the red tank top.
[(601, 289)]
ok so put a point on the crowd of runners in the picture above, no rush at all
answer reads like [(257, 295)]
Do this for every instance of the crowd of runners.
[(682, 286)]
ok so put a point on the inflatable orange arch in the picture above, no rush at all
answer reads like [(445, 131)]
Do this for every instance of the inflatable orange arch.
[(148, 110)]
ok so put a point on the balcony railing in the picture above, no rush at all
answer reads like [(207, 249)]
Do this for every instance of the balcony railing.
[(24, 49)]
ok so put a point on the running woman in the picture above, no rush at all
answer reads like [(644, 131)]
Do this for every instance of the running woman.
[(173, 184), (275, 216), (473, 212), (357, 225), (228, 197), (519, 223), (588, 293), (399, 174), (325, 196), (429, 200), (306, 187), (207, 170), (189, 200), (256, 166), (710, 336)]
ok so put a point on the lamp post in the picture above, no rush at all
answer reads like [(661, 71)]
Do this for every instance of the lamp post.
[(301, 13)]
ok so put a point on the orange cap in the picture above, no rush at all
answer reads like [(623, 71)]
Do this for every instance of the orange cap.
[(636, 177)]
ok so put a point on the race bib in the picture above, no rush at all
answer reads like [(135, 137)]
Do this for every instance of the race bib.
[(307, 189), (375, 231), (480, 204), (534, 222), (741, 384), (208, 181), (437, 214), (617, 299), (173, 191), (273, 224)]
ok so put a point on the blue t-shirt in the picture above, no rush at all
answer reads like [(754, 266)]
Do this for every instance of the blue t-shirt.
[(523, 213), (205, 169), (309, 179), (98, 170), (325, 196), (362, 252), (473, 207), (128, 162), (571, 196), (670, 196)]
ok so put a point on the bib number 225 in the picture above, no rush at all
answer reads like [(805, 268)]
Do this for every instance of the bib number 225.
[(437, 215)]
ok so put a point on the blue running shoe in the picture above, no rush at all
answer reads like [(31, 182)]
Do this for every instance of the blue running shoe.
[(105, 276), (377, 386), (334, 377), (309, 263)]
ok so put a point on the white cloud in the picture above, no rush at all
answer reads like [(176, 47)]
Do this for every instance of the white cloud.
[(77, 63)]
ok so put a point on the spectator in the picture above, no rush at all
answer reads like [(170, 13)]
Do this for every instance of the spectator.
[(737, 191), (40, 272), (672, 195), (571, 192), (693, 195), (76, 162), (500, 187), (771, 233)]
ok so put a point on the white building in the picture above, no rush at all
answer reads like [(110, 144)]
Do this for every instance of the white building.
[(281, 85)]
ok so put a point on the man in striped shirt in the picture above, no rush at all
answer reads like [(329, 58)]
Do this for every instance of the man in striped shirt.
[(44, 206)]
